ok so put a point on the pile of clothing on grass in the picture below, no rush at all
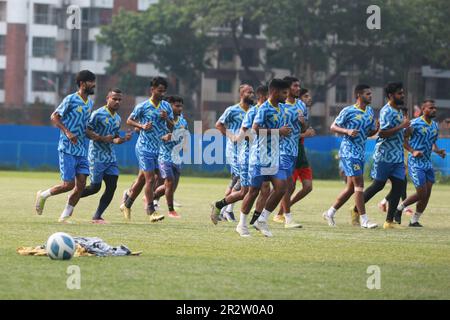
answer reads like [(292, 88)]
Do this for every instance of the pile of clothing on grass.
[(85, 247)]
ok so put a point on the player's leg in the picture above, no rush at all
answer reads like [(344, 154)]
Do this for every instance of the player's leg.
[(347, 165), (424, 197), (358, 183), (261, 201), (67, 164), (148, 190), (247, 204), (74, 197), (307, 187), (97, 171), (167, 172), (380, 174), (219, 207), (146, 164), (81, 172), (105, 200), (227, 212), (138, 184), (110, 177), (286, 205), (397, 187), (238, 194), (279, 189), (342, 198), (159, 182)]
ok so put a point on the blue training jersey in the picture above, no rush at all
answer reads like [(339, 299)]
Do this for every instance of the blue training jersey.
[(232, 119), (244, 146), (265, 150), (75, 113), (424, 135), (353, 117), (150, 140), (390, 149), (304, 109), (103, 123), (293, 112), (168, 152)]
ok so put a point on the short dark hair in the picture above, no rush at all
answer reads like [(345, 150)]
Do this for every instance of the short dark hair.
[(303, 91), (262, 90), (174, 99), (291, 80), (115, 90), (428, 100), (278, 84), (360, 89), (84, 76), (158, 81), (392, 88)]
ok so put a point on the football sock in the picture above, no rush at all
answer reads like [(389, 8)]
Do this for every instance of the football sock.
[(264, 216), (415, 218), (288, 217), (255, 217), (243, 219), (222, 203), (331, 212), (68, 210), (46, 194)]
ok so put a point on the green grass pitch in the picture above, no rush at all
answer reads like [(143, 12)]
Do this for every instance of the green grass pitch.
[(191, 258)]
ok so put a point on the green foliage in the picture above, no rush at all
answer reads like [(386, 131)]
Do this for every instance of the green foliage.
[(163, 35)]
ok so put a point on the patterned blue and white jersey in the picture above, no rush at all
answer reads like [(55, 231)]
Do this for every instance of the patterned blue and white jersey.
[(292, 112), (232, 119), (168, 152), (390, 149), (247, 123), (262, 152), (353, 117), (103, 123), (424, 135), (75, 113), (304, 109), (150, 141)]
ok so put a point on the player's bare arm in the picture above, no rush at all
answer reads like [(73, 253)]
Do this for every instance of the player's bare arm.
[(348, 132), (56, 120), (390, 132), (283, 131), (441, 152), (146, 127)]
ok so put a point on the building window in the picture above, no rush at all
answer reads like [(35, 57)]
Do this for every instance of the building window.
[(341, 90), (2, 11), (226, 55), (250, 57), (43, 47), (2, 45), (251, 27), (44, 14), (443, 89), (44, 81), (87, 50), (224, 86), (94, 17), (2, 79)]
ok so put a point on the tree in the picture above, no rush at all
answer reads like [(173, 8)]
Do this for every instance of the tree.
[(163, 35)]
